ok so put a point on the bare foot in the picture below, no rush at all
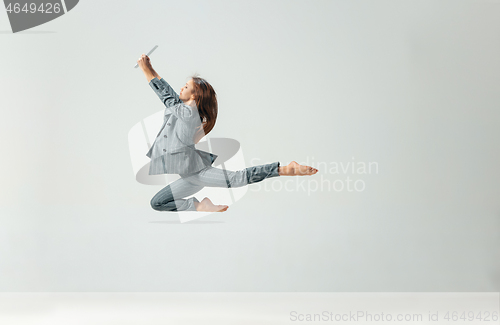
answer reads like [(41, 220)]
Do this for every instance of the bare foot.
[(294, 169), (207, 206)]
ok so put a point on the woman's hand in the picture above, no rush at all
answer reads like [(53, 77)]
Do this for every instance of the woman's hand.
[(144, 62), (146, 67)]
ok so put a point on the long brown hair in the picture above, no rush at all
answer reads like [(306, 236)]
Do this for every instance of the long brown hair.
[(206, 102)]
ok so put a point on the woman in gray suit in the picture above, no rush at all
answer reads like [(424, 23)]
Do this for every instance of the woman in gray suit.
[(189, 116)]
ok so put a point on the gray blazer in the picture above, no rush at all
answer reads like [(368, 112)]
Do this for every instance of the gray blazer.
[(173, 151)]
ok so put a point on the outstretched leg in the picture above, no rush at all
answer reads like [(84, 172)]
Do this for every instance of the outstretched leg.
[(215, 177)]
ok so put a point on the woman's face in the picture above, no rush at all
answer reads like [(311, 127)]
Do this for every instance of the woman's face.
[(187, 91)]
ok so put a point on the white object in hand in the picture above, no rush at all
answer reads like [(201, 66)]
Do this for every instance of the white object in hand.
[(154, 48)]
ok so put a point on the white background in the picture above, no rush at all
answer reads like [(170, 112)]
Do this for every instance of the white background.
[(411, 85)]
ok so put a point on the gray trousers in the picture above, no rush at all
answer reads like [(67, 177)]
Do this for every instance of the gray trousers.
[(170, 198)]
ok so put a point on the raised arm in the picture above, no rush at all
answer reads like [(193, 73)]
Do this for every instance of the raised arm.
[(166, 94), (162, 89), (172, 101)]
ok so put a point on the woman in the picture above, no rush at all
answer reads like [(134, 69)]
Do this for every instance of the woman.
[(188, 117)]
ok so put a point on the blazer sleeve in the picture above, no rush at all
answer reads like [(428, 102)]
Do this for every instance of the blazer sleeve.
[(171, 100), (163, 90)]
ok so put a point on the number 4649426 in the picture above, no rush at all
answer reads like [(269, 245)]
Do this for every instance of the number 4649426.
[(49, 8), (485, 316)]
